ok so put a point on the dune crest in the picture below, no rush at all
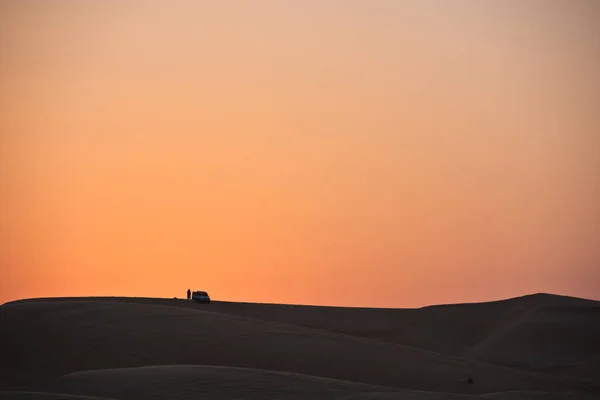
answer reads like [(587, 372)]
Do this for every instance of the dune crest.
[(140, 348)]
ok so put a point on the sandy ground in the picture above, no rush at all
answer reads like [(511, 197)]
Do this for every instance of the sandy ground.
[(532, 347)]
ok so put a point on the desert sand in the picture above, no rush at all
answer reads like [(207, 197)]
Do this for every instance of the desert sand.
[(533, 347)]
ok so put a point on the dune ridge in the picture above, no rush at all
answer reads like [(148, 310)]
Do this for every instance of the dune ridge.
[(56, 344)]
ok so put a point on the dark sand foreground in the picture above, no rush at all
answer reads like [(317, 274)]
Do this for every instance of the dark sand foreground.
[(533, 347)]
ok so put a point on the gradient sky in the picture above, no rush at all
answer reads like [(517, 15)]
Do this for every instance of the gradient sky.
[(374, 153)]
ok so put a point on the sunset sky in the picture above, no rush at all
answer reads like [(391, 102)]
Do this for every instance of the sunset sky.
[(363, 153)]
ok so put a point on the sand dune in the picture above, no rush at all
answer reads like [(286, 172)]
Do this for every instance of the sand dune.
[(589, 370), (262, 349), (550, 338), (228, 382), (212, 382), (206, 382), (520, 332), (25, 395), (464, 325)]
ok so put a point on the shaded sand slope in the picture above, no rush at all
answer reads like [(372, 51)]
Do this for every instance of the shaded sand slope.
[(540, 332), (228, 382), (552, 338), (211, 382), (464, 325), (43, 340), (206, 382), (589, 370), (534, 396), (25, 395), (521, 332)]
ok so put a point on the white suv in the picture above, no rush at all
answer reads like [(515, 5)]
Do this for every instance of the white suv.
[(201, 297)]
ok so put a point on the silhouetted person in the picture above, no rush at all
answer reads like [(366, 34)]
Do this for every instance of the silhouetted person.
[(189, 293)]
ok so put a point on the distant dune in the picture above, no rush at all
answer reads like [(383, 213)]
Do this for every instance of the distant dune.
[(538, 346)]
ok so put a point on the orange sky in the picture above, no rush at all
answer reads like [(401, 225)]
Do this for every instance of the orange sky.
[(374, 153)]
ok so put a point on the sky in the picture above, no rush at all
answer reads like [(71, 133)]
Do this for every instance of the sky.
[(358, 153)]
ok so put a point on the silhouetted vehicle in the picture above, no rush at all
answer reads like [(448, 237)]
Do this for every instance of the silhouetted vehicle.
[(201, 297)]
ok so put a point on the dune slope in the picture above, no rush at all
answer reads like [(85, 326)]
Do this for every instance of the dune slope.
[(30, 395), (550, 338), (43, 340), (227, 382), (465, 326), (209, 382)]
